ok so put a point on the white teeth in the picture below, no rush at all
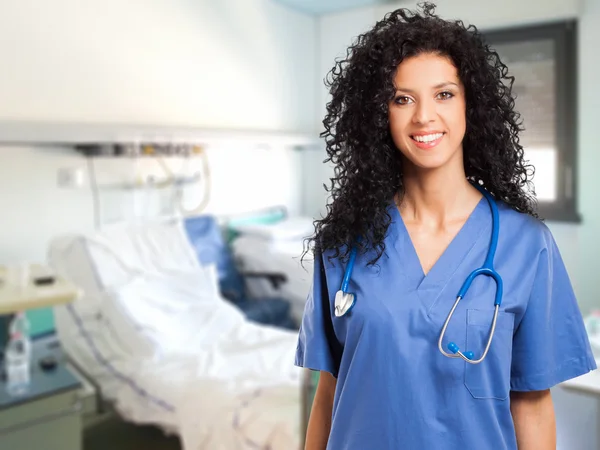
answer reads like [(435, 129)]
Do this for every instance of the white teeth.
[(428, 137)]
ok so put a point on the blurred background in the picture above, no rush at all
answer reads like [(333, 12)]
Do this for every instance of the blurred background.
[(176, 143)]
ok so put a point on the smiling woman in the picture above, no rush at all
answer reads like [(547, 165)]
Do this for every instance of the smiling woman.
[(429, 192), (428, 112), (371, 100)]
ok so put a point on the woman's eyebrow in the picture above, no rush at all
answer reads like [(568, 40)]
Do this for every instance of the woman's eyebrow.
[(437, 86)]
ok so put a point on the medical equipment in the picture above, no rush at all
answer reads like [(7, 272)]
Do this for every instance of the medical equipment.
[(345, 301), (155, 186)]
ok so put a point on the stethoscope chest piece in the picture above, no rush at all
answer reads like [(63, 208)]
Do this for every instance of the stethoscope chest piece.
[(344, 301)]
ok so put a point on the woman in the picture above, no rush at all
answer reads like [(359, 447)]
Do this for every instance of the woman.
[(421, 128)]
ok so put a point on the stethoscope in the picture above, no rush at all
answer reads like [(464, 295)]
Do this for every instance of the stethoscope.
[(345, 301)]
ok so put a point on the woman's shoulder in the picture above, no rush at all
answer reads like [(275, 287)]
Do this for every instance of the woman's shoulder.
[(521, 227)]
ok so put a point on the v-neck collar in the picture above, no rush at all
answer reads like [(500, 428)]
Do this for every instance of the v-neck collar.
[(452, 257)]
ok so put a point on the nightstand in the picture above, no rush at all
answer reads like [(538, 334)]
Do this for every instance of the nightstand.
[(49, 416)]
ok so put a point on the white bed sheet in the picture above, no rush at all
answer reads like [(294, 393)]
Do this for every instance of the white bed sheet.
[(256, 254), (166, 349)]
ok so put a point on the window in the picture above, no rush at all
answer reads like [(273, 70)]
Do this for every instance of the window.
[(542, 60)]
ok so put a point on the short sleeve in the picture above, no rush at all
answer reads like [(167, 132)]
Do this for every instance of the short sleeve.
[(550, 344), (318, 348)]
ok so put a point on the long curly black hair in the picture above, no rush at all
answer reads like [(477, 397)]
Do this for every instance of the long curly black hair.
[(367, 164)]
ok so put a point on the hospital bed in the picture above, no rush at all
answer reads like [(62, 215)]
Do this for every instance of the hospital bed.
[(208, 239), (165, 348), (277, 246)]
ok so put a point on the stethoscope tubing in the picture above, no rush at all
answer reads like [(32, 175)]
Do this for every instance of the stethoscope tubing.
[(486, 269)]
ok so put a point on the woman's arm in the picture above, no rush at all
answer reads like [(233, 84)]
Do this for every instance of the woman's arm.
[(319, 423), (533, 416)]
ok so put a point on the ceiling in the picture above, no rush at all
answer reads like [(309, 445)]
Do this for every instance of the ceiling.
[(318, 7)]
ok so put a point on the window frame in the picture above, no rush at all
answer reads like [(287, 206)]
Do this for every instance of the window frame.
[(563, 34)]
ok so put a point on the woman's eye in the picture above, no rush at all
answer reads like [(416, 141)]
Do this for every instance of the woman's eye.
[(403, 100), (445, 95)]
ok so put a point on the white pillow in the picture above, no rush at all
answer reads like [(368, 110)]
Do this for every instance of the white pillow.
[(121, 250), (288, 229)]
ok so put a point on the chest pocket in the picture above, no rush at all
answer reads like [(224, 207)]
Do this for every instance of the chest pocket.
[(489, 379)]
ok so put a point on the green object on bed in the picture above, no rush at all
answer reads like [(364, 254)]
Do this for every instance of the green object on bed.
[(266, 217)]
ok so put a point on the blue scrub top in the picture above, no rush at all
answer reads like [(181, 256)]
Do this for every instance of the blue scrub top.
[(395, 390)]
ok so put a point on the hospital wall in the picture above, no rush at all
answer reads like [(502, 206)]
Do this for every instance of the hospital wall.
[(217, 64), (228, 64), (578, 416)]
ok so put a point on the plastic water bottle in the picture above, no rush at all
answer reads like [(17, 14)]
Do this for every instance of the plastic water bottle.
[(19, 324), (17, 357)]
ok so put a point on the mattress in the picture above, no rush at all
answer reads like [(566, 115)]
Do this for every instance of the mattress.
[(153, 332)]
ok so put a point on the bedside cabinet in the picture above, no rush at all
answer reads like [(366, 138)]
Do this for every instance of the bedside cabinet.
[(48, 416)]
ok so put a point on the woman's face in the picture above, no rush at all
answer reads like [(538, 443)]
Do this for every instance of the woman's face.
[(428, 113)]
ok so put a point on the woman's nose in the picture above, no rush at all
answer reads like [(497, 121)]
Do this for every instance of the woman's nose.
[(424, 112)]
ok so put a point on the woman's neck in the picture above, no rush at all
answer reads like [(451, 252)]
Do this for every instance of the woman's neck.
[(437, 197)]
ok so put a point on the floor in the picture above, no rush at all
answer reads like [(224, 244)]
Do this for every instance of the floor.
[(114, 434)]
